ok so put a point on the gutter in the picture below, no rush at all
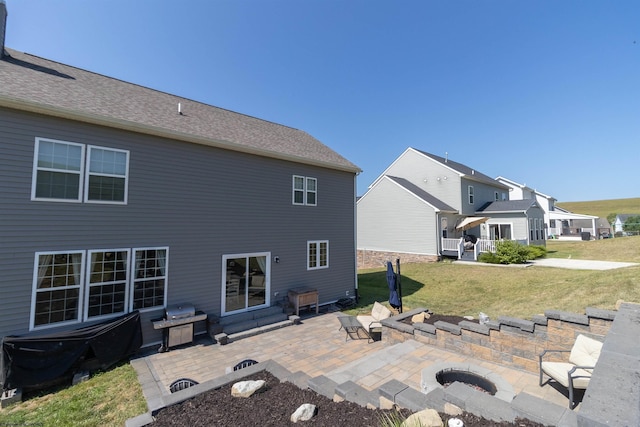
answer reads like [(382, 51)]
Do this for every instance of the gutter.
[(95, 119)]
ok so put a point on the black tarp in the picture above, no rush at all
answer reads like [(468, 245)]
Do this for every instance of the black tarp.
[(37, 361)]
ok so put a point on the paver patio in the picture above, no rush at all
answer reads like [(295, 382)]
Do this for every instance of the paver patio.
[(317, 347)]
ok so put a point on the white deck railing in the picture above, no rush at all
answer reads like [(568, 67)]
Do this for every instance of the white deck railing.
[(482, 245)]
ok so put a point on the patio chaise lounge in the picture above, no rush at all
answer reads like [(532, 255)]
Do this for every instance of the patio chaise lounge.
[(576, 373), (378, 313)]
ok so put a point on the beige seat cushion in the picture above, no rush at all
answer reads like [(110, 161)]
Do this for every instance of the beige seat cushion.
[(368, 321), (585, 351), (559, 372), (378, 312)]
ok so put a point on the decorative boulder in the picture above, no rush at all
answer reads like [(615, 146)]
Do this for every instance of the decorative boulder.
[(418, 318), (246, 388), (424, 418), (305, 412)]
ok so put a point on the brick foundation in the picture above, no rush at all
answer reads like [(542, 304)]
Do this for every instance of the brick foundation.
[(506, 341)]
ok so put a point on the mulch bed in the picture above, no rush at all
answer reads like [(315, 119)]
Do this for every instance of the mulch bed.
[(274, 405)]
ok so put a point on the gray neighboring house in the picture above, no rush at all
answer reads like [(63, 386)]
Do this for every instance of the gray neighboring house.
[(424, 205), (116, 197)]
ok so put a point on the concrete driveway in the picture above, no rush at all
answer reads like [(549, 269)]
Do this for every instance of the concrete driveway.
[(580, 264)]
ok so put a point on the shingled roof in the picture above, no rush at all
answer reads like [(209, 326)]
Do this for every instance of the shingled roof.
[(437, 204), (508, 206), (38, 85)]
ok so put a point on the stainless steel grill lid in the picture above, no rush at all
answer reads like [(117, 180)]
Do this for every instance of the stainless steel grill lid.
[(180, 311)]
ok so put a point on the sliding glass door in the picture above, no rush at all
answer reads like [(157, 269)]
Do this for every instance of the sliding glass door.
[(245, 279)]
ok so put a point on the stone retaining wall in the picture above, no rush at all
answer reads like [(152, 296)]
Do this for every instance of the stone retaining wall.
[(508, 341), (378, 259)]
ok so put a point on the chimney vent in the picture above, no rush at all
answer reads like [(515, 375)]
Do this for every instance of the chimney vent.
[(3, 25)]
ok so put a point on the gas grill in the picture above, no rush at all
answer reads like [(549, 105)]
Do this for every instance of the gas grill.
[(177, 324)]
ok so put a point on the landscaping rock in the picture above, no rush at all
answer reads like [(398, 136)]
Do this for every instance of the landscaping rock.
[(246, 388), (305, 412), (424, 418)]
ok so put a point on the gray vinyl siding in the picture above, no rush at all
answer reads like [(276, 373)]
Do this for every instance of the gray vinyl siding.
[(392, 219), (199, 201), (482, 192)]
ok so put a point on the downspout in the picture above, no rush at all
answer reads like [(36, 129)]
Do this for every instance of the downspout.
[(355, 231)]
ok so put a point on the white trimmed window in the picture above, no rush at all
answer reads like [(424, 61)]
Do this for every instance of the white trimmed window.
[(106, 179), (57, 288), (107, 280), (58, 168), (317, 254), (496, 196), (305, 190), (149, 277), (75, 286), (470, 194), (68, 171)]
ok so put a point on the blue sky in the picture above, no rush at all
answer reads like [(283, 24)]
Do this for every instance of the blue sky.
[(545, 93)]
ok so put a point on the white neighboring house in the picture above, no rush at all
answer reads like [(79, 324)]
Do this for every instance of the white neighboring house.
[(618, 225), (427, 205), (560, 223)]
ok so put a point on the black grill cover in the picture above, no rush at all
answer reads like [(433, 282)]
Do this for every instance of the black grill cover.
[(37, 361)]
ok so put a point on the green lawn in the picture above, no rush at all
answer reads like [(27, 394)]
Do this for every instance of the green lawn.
[(109, 398), (449, 288)]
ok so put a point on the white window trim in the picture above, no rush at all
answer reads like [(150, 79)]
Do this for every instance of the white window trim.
[(34, 290), (88, 174), (132, 274), (83, 174), (318, 255), (34, 175), (88, 285), (470, 194), (83, 293), (305, 191)]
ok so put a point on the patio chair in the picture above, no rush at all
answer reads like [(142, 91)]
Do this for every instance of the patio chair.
[(576, 373), (378, 313)]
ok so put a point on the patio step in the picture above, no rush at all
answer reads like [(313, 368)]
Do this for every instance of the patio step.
[(242, 325)]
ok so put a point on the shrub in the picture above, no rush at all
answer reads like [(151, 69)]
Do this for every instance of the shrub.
[(488, 257), (536, 252), (511, 252)]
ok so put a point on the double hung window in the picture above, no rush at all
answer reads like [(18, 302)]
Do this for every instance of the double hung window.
[(305, 190), (470, 194), (107, 280), (149, 278), (107, 175), (68, 171), (57, 288), (58, 170)]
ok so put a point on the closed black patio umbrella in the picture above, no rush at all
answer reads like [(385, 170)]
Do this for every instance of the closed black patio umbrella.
[(394, 296)]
